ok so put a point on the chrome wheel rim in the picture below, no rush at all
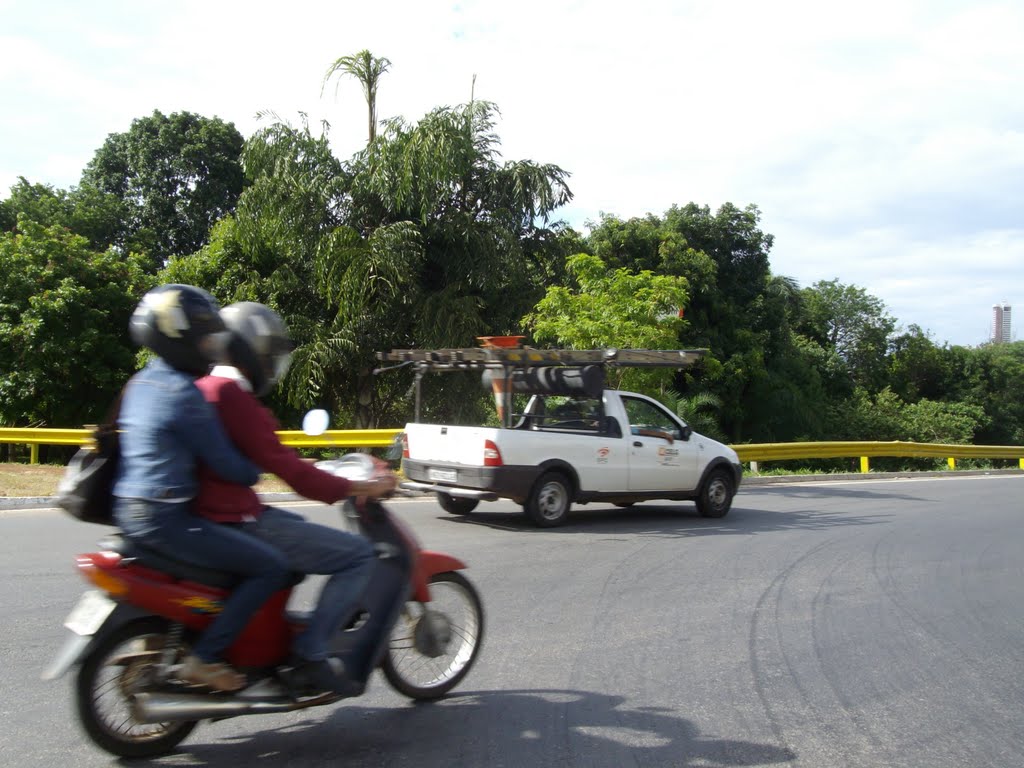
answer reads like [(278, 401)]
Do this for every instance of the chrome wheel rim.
[(126, 670), (551, 501), (451, 608), (718, 494)]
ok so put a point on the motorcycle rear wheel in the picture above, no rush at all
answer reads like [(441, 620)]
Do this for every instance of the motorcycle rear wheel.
[(433, 645), (122, 664)]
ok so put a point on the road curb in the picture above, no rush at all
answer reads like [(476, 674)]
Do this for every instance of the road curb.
[(749, 480)]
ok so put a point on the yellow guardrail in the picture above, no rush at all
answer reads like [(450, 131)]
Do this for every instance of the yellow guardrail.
[(332, 438), (341, 438), (757, 452), (748, 452)]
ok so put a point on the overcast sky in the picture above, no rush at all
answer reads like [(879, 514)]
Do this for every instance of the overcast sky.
[(882, 141)]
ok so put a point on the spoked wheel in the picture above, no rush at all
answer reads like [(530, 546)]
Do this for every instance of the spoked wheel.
[(119, 666), (433, 645)]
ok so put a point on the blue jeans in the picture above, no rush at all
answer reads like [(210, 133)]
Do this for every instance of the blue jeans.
[(174, 531), (348, 559)]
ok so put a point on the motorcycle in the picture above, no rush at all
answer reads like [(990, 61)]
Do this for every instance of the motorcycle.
[(420, 621)]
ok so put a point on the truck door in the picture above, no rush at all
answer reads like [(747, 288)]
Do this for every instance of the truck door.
[(659, 458)]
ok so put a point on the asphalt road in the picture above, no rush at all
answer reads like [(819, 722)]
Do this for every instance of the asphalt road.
[(868, 623)]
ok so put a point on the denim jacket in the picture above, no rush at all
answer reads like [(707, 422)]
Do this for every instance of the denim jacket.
[(166, 427)]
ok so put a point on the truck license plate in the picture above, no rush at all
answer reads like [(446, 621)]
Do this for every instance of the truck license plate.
[(90, 613), (443, 475)]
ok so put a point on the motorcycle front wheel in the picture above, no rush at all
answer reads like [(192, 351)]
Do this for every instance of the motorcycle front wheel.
[(122, 664), (433, 645)]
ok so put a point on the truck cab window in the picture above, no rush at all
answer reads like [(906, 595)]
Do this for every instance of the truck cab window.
[(648, 418)]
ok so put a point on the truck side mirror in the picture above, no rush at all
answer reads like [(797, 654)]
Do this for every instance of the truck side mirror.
[(687, 431)]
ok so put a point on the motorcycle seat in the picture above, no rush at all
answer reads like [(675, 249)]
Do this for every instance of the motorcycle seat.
[(158, 561)]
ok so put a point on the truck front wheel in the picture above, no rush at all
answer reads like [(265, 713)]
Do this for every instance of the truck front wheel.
[(716, 494), (549, 500), (456, 505)]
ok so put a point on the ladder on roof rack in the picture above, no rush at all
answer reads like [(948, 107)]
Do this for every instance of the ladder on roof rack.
[(527, 357), (512, 359)]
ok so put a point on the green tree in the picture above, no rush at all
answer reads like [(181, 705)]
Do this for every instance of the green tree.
[(175, 175), (917, 368), (64, 309), (933, 421), (86, 211), (991, 377), (698, 410), (613, 309), (855, 324), (736, 308), (368, 70), (425, 238)]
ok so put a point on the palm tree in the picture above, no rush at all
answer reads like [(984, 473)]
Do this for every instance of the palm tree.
[(367, 69), (425, 238), (697, 410)]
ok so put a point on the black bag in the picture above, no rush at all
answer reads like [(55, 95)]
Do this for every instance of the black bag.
[(86, 489)]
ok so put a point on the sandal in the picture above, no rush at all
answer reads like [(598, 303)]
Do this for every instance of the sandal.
[(215, 675)]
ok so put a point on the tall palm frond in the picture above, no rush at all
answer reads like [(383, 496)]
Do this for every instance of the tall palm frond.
[(368, 70)]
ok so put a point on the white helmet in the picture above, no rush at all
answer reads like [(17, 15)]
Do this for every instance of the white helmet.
[(259, 344)]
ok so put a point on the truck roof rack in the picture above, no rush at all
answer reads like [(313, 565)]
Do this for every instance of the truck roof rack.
[(528, 357), (509, 360)]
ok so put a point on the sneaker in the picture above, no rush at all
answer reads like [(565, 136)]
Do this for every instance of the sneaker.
[(216, 675), (310, 678)]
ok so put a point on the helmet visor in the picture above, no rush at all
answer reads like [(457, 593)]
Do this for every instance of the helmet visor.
[(214, 346), (282, 361)]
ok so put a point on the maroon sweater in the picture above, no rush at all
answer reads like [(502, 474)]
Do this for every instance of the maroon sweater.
[(252, 428)]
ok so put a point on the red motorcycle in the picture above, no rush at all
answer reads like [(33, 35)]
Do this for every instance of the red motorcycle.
[(420, 621)]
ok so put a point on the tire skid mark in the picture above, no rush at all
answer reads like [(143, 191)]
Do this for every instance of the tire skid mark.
[(856, 718), (772, 594)]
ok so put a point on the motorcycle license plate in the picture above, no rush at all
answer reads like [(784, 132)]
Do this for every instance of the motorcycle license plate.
[(90, 613), (443, 475)]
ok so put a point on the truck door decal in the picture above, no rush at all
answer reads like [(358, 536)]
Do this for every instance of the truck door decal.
[(668, 456)]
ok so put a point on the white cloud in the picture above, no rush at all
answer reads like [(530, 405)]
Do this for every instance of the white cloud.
[(883, 140)]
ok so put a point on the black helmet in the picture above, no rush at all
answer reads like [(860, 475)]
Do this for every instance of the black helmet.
[(180, 323), (259, 344)]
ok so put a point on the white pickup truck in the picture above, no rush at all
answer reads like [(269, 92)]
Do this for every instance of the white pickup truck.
[(598, 445)]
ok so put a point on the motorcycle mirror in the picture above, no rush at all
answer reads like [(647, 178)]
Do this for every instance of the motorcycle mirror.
[(315, 422)]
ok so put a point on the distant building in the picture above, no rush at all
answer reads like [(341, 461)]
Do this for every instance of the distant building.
[(1000, 323)]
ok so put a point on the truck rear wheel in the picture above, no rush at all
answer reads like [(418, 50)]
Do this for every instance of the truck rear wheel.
[(549, 501), (456, 505)]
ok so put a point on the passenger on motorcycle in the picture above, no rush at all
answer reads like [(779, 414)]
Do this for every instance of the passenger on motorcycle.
[(257, 356), (166, 429)]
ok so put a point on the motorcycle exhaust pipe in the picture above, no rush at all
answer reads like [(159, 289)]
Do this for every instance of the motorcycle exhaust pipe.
[(177, 707)]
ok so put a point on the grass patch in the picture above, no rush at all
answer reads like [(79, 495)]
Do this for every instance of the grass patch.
[(29, 480)]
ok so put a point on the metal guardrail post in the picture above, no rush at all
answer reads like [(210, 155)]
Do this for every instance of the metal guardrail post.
[(952, 462), (865, 465), (33, 453)]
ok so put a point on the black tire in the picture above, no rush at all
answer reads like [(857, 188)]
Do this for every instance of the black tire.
[(550, 500), (456, 505), (424, 664), (118, 732), (715, 498)]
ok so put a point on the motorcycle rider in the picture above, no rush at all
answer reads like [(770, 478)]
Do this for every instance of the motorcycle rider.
[(257, 356), (166, 428)]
